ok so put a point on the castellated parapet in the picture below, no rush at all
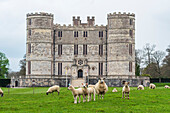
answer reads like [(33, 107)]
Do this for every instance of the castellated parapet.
[(80, 52)]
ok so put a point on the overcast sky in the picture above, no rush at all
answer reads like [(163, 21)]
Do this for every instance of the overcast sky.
[(152, 20)]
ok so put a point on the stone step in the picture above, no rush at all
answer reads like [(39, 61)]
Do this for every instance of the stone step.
[(77, 82)]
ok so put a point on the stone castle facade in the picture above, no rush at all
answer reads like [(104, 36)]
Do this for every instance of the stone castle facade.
[(80, 52)]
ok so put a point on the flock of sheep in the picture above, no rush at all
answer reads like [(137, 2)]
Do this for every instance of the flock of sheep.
[(100, 88)]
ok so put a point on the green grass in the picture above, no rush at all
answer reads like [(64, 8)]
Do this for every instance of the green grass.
[(23, 100)]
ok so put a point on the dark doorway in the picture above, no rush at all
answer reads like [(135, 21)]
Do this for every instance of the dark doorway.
[(16, 83), (80, 73)]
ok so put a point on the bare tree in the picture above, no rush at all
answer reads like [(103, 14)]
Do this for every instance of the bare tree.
[(158, 56), (148, 52)]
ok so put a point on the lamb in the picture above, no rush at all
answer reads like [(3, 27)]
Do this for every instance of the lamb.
[(88, 91), (53, 89), (101, 88), (152, 86), (76, 93), (140, 87), (166, 86), (114, 90), (125, 90), (1, 92)]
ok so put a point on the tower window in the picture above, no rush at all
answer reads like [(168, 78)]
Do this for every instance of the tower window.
[(59, 33), (29, 67), (131, 21), (75, 49), (131, 33), (100, 50), (59, 68), (75, 33), (130, 49), (85, 34), (85, 49), (100, 33), (29, 32), (60, 50), (130, 66), (100, 68), (29, 48)]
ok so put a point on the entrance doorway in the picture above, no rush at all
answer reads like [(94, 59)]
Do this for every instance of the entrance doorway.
[(16, 83), (80, 73)]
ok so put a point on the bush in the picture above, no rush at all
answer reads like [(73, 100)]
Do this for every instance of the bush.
[(146, 75)]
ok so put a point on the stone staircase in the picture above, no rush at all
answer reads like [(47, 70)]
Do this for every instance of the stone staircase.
[(78, 82)]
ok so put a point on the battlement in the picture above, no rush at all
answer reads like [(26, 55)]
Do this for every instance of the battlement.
[(77, 21), (119, 14), (39, 14)]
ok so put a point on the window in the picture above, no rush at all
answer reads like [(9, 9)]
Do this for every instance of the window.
[(100, 33), (131, 33), (60, 50), (29, 67), (100, 68), (59, 33), (29, 32), (130, 66), (131, 21), (75, 49), (29, 22), (100, 50), (29, 48), (59, 68), (75, 33), (85, 34), (84, 49), (130, 49)]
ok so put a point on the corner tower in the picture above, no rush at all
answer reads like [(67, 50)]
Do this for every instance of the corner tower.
[(121, 45), (39, 45)]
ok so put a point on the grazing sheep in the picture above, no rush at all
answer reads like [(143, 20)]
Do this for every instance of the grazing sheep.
[(88, 91), (76, 93), (53, 89), (166, 86), (152, 86), (114, 90), (91, 86), (101, 88), (125, 90), (1, 92), (140, 87)]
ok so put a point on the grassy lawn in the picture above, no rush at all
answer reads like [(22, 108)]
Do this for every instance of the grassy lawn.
[(23, 100)]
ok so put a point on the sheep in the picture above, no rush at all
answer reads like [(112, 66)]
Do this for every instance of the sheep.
[(125, 90), (88, 91), (53, 89), (101, 88), (152, 86), (76, 92), (91, 86), (166, 86), (114, 90), (140, 87), (1, 92)]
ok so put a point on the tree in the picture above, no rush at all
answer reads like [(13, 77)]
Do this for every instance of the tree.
[(151, 70), (166, 64), (23, 66), (148, 52), (4, 65), (138, 61), (158, 56)]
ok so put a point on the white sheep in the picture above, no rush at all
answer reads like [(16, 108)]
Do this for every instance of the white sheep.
[(1, 92), (101, 88), (76, 93), (140, 87), (114, 90), (125, 90), (88, 91), (152, 86), (53, 89), (166, 86)]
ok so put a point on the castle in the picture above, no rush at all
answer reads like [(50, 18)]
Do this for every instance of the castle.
[(81, 52)]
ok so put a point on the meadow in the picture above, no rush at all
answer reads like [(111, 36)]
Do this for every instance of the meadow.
[(141, 101)]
